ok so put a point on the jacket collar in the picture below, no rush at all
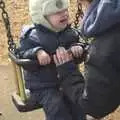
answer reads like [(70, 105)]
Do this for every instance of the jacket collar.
[(42, 28)]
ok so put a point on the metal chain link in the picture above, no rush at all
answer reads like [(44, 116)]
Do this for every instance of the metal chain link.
[(5, 17), (79, 14)]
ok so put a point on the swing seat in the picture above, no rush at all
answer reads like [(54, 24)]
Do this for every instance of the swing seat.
[(20, 98), (23, 106), (20, 105)]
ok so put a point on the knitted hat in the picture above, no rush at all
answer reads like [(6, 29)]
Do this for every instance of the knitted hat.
[(40, 8)]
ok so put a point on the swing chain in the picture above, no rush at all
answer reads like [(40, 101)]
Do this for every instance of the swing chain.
[(5, 17), (79, 14)]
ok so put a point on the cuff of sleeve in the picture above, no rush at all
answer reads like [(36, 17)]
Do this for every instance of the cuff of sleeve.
[(83, 45), (35, 50), (31, 54)]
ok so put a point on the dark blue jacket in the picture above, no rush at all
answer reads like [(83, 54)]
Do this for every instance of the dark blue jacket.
[(102, 88), (37, 76), (102, 22), (101, 16)]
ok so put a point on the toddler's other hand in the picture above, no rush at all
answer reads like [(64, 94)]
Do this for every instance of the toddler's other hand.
[(43, 57), (62, 56)]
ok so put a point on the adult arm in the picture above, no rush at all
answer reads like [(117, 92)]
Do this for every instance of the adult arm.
[(101, 16)]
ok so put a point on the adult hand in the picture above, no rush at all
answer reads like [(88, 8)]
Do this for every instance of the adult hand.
[(77, 51), (62, 56)]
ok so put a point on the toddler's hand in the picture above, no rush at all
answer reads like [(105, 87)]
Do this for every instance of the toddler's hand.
[(43, 57), (77, 51)]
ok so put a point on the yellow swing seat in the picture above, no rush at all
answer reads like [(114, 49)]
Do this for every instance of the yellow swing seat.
[(21, 97)]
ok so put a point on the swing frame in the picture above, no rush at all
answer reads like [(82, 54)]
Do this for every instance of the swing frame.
[(19, 97)]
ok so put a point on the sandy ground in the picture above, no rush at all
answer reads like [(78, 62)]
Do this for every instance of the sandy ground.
[(7, 87)]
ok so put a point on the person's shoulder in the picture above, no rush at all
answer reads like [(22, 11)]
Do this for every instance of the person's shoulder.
[(27, 30), (70, 29), (71, 32)]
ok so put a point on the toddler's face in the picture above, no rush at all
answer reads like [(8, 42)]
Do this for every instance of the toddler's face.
[(59, 20)]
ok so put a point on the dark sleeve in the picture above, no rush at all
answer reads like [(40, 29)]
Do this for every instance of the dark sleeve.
[(28, 48), (78, 40), (72, 81), (70, 37), (101, 16)]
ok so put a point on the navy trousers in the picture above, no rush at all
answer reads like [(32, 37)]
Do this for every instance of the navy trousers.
[(56, 106)]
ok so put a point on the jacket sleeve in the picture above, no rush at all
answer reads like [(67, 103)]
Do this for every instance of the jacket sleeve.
[(28, 48), (28, 45), (72, 81), (101, 15), (77, 40)]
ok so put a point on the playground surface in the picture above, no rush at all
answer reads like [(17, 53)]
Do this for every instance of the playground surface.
[(7, 108)]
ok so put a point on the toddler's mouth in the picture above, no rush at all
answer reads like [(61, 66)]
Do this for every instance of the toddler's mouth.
[(64, 21)]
